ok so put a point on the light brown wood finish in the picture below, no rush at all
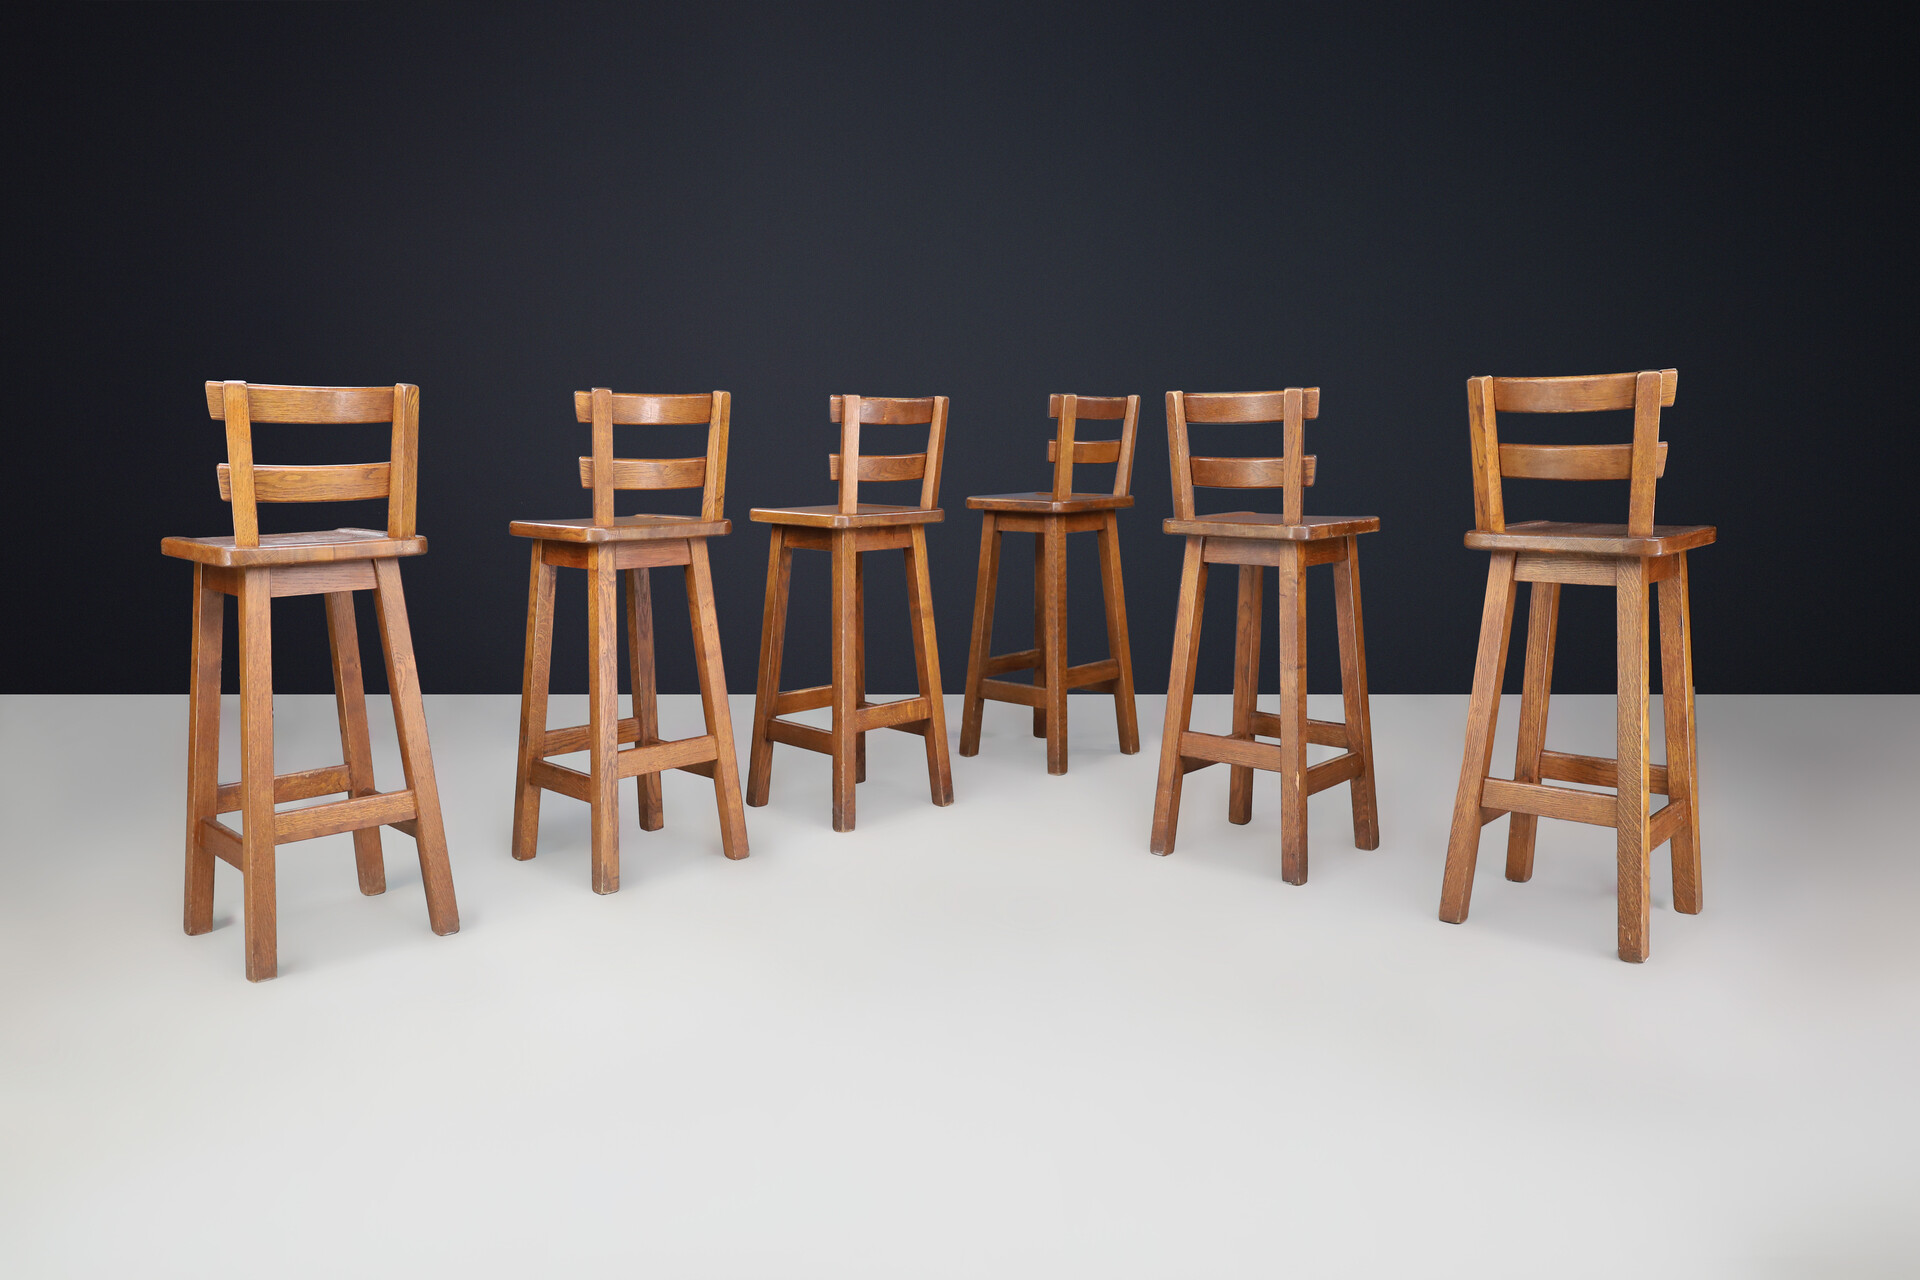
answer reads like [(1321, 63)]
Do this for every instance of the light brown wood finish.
[(1629, 559), (1052, 515), (257, 568), (1290, 542), (847, 530), (606, 546)]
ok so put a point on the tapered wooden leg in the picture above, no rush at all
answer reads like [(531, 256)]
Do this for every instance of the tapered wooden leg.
[(1053, 658), (534, 680), (845, 697), (1114, 591), (1353, 689), (713, 700), (643, 681), (926, 661), (256, 772), (1246, 689), (773, 644), (1040, 628), (350, 702), (1186, 653), (859, 661), (1292, 599), (416, 755), (1483, 710), (1630, 822), (1536, 692), (603, 718), (203, 749), (985, 586), (1676, 701)]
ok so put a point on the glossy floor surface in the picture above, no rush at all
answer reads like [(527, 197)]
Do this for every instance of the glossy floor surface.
[(995, 1040)]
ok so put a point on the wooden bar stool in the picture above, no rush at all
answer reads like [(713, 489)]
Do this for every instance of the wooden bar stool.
[(606, 545), (1547, 554), (848, 530), (1290, 542), (1050, 517), (257, 568)]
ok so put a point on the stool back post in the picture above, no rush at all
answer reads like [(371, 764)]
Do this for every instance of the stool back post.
[(1291, 473), (849, 467), (1641, 463), (850, 455), (240, 404), (602, 409), (936, 453), (713, 497), (1064, 450), (603, 473)]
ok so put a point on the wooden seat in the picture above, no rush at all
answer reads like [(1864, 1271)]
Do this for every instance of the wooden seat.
[(1050, 517), (256, 568), (1290, 542), (605, 546), (1549, 554), (847, 530)]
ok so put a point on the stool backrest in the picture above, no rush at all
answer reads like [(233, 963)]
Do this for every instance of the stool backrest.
[(1291, 472), (603, 473), (851, 412), (1640, 463), (1064, 450), (244, 485)]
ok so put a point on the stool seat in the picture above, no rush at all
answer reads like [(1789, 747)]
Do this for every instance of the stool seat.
[(294, 548), (623, 528), (1046, 504), (1252, 524), (1567, 538), (868, 515)]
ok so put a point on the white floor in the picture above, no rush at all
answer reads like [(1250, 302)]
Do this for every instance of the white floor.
[(995, 1040)]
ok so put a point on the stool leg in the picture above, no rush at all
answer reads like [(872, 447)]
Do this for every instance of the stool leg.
[(845, 696), (603, 718), (1246, 690), (713, 700), (859, 661), (985, 585), (256, 772), (416, 755), (1292, 595), (1630, 821), (1054, 656), (1536, 691), (203, 749), (1186, 654), (1483, 710), (535, 677), (356, 749), (1353, 690), (644, 683), (1040, 628), (1676, 702), (1118, 645), (773, 643), (926, 660)]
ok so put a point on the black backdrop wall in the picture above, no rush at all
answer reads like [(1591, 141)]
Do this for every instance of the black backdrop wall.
[(503, 205)]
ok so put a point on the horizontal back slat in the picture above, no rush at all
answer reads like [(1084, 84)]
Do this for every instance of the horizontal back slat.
[(1574, 461), (307, 404), (1246, 406), (634, 410), (888, 411), (1101, 408), (1089, 451), (650, 473), (883, 466), (1575, 395), (344, 482), (1246, 473)]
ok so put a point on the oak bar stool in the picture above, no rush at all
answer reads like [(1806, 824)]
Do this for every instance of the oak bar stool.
[(1290, 542), (847, 530), (257, 568), (1051, 517), (606, 545), (1547, 554)]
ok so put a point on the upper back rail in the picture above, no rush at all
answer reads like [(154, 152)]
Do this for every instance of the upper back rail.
[(852, 411), (1063, 451), (604, 474), (1292, 472)]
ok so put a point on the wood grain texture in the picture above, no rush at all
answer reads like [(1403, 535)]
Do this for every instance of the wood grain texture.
[(603, 718), (1682, 781), (1248, 406), (634, 410), (926, 661), (773, 635), (279, 549), (1253, 524), (256, 774), (320, 406), (416, 754), (980, 644), (340, 482), (1357, 732), (1630, 822), (883, 467), (649, 473), (203, 749), (1052, 601), (1180, 681), (713, 702), (643, 690), (1114, 594), (1578, 538), (634, 528), (1291, 599), (1543, 618), (867, 515), (845, 694), (356, 746), (534, 683), (1246, 688), (1483, 710), (1581, 394), (1573, 461), (1246, 473)]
